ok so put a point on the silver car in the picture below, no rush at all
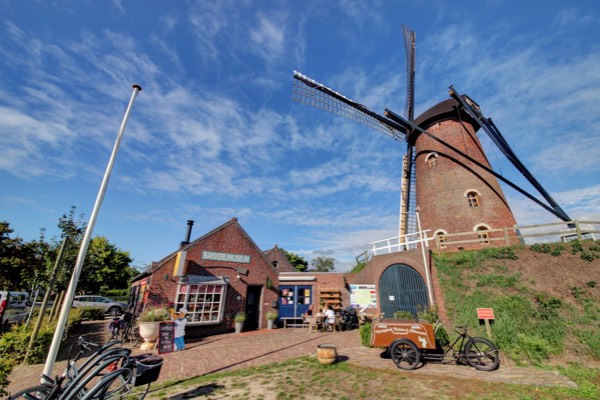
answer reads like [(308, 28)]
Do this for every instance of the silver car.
[(111, 307), (14, 308)]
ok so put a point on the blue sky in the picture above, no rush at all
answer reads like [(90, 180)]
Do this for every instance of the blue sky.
[(214, 134)]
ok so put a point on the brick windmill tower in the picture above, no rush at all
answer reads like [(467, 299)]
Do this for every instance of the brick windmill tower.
[(446, 175)]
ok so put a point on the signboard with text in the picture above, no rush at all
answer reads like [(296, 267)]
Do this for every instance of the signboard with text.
[(228, 257), (485, 313), (363, 296), (166, 338)]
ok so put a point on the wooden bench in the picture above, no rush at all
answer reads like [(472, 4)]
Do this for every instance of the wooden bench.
[(294, 324)]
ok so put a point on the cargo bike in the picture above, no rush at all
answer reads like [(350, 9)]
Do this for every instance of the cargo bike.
[(410, 342)]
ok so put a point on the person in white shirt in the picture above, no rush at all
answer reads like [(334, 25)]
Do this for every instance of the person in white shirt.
[(180, 323), (329, 316)]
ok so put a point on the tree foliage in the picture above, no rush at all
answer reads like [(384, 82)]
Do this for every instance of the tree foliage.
[(296, 260), (322, 264), (27, 265)]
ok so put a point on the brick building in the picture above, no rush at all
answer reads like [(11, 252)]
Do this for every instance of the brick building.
[(214, 277)]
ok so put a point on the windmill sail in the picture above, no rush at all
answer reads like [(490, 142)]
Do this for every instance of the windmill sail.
[(408, 223), (310, 92)]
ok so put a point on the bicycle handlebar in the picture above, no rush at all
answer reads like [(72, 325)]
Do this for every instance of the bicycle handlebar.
[(86, 344)]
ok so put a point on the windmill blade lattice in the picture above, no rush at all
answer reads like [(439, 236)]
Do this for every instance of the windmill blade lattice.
[(309, 92)]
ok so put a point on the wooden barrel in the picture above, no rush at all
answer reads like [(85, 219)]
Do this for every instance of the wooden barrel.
[(326, 353)]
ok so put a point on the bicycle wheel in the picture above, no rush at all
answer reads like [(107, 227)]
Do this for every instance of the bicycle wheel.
[(481, 354), (405, 354), (40, 392), (114, 385)]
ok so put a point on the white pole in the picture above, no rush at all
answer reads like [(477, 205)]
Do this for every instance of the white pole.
[(425, 264), (66, 307)]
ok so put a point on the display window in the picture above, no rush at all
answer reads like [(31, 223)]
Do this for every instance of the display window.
[(204, 302)]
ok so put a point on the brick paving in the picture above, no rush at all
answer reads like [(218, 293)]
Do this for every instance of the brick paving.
[(232, 351)]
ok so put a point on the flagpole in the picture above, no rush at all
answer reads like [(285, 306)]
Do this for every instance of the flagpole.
[(66, 306)]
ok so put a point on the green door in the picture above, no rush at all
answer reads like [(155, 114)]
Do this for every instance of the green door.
[(401, 288)]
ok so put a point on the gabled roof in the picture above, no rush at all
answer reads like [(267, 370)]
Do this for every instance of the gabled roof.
[(275, 254), (233, 221)]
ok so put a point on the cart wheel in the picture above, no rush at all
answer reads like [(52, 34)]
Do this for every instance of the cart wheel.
[(405, 354), (481, 354)]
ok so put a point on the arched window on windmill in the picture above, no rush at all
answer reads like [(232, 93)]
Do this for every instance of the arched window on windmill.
[(431, 159), (275, 264), (472, 198), (482, 233), (440, 238)]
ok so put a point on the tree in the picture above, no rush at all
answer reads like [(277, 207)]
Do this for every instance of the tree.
[(296, 260), (11, 258), (322, 264), (105, 266)]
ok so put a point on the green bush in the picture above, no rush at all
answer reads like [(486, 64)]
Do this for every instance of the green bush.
[(401, 314), (86, 314), (540, 247), (115, 294), (365, 334), (576, 247), (587, 256), (14, 343), (533, 347)]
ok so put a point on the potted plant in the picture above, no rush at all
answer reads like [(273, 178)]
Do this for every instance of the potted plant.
[(239, 319), (271, 317), (150, 326)]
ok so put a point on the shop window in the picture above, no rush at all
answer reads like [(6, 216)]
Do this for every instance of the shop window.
[(483, 235), (473, 199), (287, 296), (205, 303)]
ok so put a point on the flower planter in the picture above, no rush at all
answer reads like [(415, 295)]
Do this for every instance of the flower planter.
[(149, 331), (238, 327), (327, 353), (270, 323)]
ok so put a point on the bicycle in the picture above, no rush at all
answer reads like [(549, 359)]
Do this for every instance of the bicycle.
[(131, 332), (401, 338), (478, 352), (99, 377)]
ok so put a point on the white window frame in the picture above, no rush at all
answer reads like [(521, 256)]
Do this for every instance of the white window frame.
[(207, 312)]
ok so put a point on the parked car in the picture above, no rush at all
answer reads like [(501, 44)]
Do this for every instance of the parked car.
[(14, 308), (111, 307)]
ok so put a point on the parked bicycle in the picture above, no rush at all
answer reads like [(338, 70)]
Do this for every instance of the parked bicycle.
[(411, 342), (108, 373), (131, 331)]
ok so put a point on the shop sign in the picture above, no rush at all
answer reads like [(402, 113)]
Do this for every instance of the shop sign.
[(227, 257)]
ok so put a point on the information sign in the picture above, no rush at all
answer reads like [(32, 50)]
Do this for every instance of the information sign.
[(485, 313)]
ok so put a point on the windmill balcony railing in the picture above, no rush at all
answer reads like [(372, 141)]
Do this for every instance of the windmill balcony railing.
[(528, 234), (400, 243)]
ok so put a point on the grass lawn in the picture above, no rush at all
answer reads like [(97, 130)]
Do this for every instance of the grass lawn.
[(305, 378)]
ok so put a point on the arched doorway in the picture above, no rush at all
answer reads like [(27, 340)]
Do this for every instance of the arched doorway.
[(401, 288)]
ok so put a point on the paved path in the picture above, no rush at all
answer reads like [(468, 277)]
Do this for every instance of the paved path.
[(236, 351)]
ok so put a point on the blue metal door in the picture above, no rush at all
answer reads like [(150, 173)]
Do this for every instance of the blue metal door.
[(294, 300), (401, 288)]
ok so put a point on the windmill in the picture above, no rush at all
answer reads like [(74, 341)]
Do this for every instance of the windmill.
[(443, 156)]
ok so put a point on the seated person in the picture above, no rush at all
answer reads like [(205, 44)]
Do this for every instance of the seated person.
[(309, 312), (329, 316)]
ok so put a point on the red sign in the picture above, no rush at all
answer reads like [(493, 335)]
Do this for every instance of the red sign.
[(485, 313)]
